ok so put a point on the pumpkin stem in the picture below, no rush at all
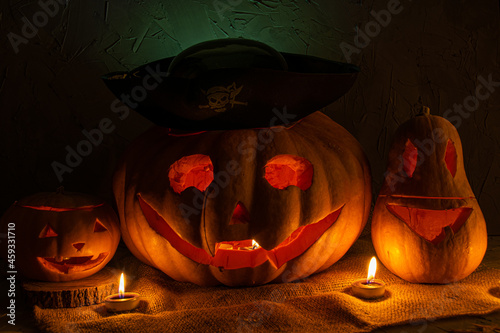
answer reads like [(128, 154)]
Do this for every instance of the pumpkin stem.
[(426, 111), (60, 190)]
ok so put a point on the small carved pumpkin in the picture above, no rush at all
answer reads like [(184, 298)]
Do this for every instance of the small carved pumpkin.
[(244, 207), (61, 236), (427, 226)]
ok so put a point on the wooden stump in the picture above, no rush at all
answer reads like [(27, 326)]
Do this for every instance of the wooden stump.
[(71, 294)]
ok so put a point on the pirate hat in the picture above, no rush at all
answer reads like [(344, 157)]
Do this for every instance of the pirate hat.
[(231, 84)]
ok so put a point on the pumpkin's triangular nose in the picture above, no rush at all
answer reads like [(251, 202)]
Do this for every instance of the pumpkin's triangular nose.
[(78, 246), (240, 215)]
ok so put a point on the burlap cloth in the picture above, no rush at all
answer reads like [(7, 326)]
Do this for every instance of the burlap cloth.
[(320, 303)]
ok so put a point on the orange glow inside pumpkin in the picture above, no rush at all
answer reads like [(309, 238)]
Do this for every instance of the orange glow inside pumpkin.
[(286, 170), (61, 209), (47, 232), (410, 156), (72, 264), (99, 227), (451, 158), (78, 246), (430, 224), (191, 171), (240, 215)]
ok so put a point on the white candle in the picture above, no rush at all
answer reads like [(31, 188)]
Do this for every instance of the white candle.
[(369, 288), (122, 301)]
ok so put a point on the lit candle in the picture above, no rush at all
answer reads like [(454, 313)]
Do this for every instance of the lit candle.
[(369, 288), (121, 288), (122, 301), (254, 246)]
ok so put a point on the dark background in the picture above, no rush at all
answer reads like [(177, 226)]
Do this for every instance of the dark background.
[(430, 53)]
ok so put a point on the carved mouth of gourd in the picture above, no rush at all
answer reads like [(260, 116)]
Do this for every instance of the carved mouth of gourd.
[(431, 224), (241, 254), (72, 264)]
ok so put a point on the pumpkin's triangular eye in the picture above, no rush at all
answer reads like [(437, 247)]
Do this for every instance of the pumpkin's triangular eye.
[(450, 158), (46, 232), (99, 227), (191, 171), (410, 158), (285, 170)]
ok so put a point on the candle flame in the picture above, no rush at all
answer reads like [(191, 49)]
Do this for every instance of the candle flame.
[(371, 270), (121, 289), (255, 245)]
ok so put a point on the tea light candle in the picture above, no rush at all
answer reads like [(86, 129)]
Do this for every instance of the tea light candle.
[(122, 301), (254, 246), (369, 288)]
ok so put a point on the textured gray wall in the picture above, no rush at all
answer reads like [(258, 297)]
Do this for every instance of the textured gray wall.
[(431, 53)]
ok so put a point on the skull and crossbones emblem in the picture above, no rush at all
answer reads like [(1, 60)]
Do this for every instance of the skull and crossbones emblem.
[(219, 97)]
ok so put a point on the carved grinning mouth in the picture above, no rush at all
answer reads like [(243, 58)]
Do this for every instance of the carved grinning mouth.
[(72, 264), (231, 254), (431, 224)]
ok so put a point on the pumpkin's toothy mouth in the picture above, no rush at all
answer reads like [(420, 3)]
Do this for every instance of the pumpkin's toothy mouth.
[(72, 264), (431, 224), (240, 254)]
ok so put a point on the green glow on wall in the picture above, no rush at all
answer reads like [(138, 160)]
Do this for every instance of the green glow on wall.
[(137, 33)]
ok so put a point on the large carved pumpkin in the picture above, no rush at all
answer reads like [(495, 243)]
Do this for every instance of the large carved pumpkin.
[(61, 236), (191, 204), (427, 226)]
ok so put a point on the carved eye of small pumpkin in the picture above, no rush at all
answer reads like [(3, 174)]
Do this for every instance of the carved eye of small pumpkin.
[(410, 157), (191, 171), (450, 157), (286, 170), (99, 227), (47, 232)]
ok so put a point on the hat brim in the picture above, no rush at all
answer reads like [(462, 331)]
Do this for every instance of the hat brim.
[(234, 98)]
